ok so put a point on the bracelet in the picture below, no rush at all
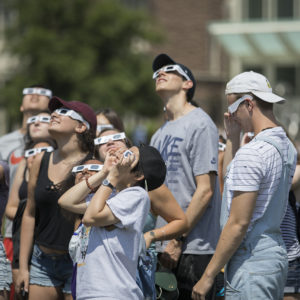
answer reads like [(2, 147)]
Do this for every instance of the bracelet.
[(88, 185)]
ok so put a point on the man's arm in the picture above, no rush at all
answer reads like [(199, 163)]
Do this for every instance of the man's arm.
[(200, 200), (242, 207)]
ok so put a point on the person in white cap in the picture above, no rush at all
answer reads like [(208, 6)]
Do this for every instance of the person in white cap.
[(255, 196)]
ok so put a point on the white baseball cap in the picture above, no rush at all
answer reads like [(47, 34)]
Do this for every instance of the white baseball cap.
[(255, 83)]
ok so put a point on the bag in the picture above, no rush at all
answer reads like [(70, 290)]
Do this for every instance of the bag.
[(166, 285)]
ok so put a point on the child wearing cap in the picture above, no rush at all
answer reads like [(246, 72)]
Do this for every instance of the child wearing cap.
[(112, 255)]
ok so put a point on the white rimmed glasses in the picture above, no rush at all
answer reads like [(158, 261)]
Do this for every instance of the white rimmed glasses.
[(222, 146), (171, 68), (234, 106), (38, 91), (73, 115), (90, 167), (104, 126), (112, 137), (34, 119), (34, 151)]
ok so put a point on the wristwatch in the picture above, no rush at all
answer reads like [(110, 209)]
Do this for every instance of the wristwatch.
[(181, 239), (106, 182)]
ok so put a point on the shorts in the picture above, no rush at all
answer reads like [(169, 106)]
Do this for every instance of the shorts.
[(5, 270), (189, 271), (292, 285), (51, 270)]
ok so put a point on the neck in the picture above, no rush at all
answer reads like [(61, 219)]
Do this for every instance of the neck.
[(68, 149), (264, 120), (177, 107)]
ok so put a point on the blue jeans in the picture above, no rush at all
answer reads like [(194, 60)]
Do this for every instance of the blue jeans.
[(145, 275), (51, 269)]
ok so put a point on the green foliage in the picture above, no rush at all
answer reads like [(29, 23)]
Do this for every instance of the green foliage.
[(82, 50)]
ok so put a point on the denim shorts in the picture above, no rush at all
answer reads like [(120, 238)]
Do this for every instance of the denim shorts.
[(5, 270), (293, 279), (51, 270), (257, 273)]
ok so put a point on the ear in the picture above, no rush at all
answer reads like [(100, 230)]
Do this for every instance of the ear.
[(187, 84), (80, 128), (138, 176), (21, 108)]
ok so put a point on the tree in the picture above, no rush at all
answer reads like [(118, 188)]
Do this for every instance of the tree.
[(83, 50)]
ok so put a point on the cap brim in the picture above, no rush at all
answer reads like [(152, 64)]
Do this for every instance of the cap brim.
[(162, 60), (56, 102), (268, 97)]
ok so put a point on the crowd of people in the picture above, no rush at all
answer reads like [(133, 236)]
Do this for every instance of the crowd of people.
[(90, 215)]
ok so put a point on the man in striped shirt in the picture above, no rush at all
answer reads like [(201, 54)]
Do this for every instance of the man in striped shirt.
[(255, 195)]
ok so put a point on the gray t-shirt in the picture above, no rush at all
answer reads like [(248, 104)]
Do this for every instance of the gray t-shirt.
[(189, 146), (109, 267), (12, 151)]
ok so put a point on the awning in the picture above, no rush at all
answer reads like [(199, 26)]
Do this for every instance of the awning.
[(259, 40)]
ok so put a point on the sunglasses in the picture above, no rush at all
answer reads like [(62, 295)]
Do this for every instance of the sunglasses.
[(104, 126), (222, 146), (234, 106), (38, 91), (34, 151), (112, 137), (171, 68), (73, 115), (34, 119), (90, 167)]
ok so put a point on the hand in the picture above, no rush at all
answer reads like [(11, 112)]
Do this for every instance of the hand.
[(202, 287), (22, 281), (170, 257), (148, 239), (232, 127), (245, 139), (121, 166)]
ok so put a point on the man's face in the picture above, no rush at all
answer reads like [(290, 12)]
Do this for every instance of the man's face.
[(34, 102), (168, 82), (242, 114)]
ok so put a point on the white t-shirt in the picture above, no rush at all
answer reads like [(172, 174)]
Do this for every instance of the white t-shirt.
[(257, 166), (109, 268)]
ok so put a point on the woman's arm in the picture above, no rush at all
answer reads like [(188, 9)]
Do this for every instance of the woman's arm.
[(14, 200), (74, 198), (164, 204), (27, 228)]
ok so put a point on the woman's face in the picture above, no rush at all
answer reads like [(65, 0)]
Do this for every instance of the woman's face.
[(39, 129), (31, 159), (62, 123), (85, 173), (111, 144)]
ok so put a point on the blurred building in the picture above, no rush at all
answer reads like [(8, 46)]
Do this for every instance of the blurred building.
[(219, 39)]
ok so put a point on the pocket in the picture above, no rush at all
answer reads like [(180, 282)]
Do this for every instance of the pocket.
[(232, 293)]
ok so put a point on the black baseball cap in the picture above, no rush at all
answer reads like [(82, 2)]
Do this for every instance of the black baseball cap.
[(163, 59), (153, 166)]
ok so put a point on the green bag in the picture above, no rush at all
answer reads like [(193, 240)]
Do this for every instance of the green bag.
[(166, 285)]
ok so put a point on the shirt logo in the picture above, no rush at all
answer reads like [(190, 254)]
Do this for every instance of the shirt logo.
[(213, 161), (14, 160)]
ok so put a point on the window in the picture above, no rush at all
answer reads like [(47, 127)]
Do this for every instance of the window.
[(286, 79), (285, 9), (255, 9)]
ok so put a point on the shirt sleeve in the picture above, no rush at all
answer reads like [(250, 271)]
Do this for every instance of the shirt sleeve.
[(129, 205), (203, 149), (246, 171)]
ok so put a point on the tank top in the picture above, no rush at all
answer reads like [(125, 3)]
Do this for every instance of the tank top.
[(21, 207), (53, 230)]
